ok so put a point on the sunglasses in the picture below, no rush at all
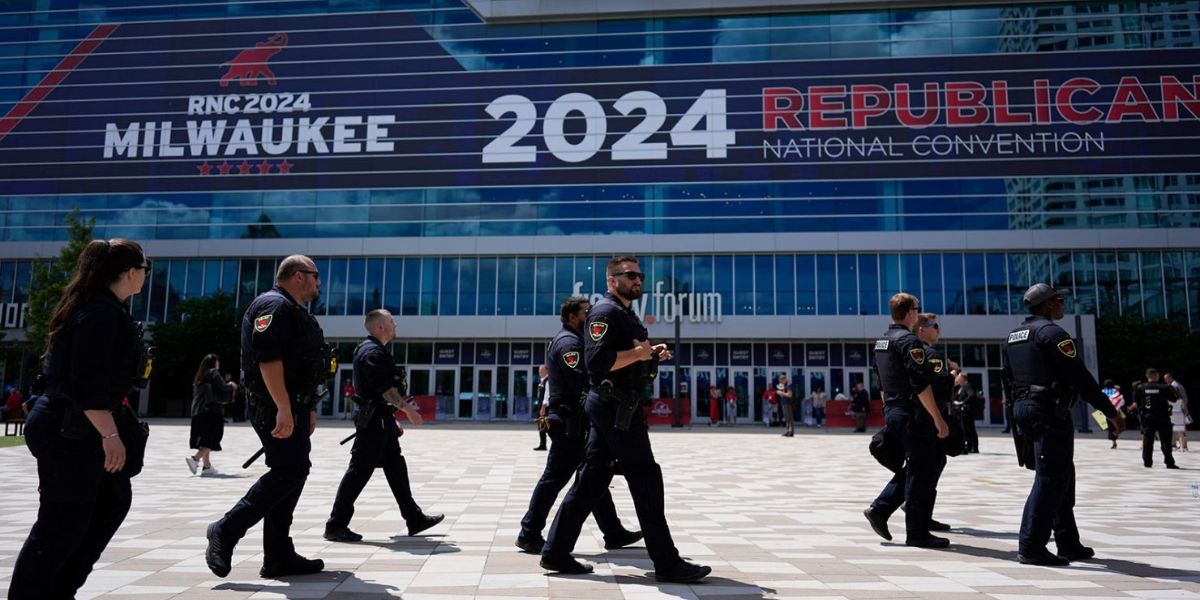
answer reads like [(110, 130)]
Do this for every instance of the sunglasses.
[(146, 267), (631, 275), (315, 274), (930, 326)]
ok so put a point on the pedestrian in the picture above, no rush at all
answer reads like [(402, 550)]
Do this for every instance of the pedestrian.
[(86, 442), (785, 394), (211, 393), (860, 405), (347, 398), (1043, 370), (620, 361), (731, 401), (1182, 417), (541, 405), (12, 404), (913, 423), (284, 360), (769, 403), (714, 405), (819, 399), (1155, 398), (1117, 399), (380, 389), (568, 429), (965, 408)]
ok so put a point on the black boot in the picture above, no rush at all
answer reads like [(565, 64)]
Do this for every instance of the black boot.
[(625, 539), (565, 564), (683, 572), (423, 522), (1043, 558), (293, 565), (341, 534), (219, 554)]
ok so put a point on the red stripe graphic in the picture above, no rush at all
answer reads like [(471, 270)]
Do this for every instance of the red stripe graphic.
[(53, 78)]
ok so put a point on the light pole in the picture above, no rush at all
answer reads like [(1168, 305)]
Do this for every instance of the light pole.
[(678, 420)]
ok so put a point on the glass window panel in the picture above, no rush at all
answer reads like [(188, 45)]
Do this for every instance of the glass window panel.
[(997, 285), (1063, 278), (956, 289), (356, 296), (266, 274), (248, 275), (229, 277), (826, 284), (448, 298), (195, 278), (393, 285), (564, 280), (912, 275), (21, 284), (410, 303), (337, 282), (1193, 285), (723, 265), (1131, 286), (1153, 299), (212, 277), (868, 284), (8, 273), (176, 283), (703, 273), (487, 286), (743, 272), (847, 284), (430, 272), (585, 273), (764, 284), (889, 279), (506, 286), (468, 273), (1175, 289), (806, 284), (374, 285), (931, 276), (683, 277), (1018, 281), (544, 280), (1085, 283), (1039, 268), (1108, 292), (660, 272), (785, 284), (525, 291)]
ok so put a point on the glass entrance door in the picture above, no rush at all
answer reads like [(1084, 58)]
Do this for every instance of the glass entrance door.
[(818, 381), (443, 390), (700, 397), (741, 385), (485, 386), (521, 392)]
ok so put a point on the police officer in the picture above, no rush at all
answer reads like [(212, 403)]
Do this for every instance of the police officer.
[(568, 431), (284, 358), (1044, 374), (378, 382), (1154, 398), (84, 464), (914, 422), (541, 406), (620, 361)]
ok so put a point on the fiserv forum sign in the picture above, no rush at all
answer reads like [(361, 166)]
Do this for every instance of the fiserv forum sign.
[(372, 101)]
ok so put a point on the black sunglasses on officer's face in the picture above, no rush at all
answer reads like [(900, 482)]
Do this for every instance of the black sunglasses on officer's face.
[(930, 325), (631, 275), (146, 267)]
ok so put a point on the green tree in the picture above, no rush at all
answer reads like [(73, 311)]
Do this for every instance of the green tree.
[(48, 278), (204, 324), (1127, 346)]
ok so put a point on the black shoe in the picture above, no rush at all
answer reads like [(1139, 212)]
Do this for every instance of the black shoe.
[(296, 565), (1042, 558), (1148, 465), (1172, 466), (532, 545), (565, 564), (1077, 553), (423, 522), (935, 525), (683, 572), (219, 554), (540, 448), (1114, 446), (625, 539), (932, 541), (341, 534), (878, 524)]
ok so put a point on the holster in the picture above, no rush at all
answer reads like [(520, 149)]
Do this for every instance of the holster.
[(366, 412), (264, 410), (628, 403)]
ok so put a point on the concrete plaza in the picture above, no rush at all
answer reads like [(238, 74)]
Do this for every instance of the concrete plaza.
[(774, 517)]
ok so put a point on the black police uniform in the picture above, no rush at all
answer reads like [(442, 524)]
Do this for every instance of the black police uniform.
[(377, 443), (965, 405), (568, 432), (91, 366), (539, 399), (1044, 371), (611, 328), (276, 327), (904, 370), (1154, 401)]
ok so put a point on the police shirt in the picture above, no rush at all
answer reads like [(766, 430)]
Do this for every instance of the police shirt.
[(611, 328), (904, 371), (276, 327), (565, 370), (1153, 399), (1039, 352), (374, 370), (95, 356), (943, 381)]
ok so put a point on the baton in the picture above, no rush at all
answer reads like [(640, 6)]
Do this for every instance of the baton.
[(348, 438), (254, 457)]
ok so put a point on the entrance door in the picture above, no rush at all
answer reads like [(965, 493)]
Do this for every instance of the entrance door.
[(521, 394), (741, 385), (443, 390), (818, 380), (485, 387), (418, 382), (466, 393), (700, 397)]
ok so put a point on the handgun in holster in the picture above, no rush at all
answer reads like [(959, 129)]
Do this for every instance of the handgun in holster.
[(1023, 445), (574, 419)]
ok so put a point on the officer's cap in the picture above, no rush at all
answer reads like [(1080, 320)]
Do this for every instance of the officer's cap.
[(1039, 293)]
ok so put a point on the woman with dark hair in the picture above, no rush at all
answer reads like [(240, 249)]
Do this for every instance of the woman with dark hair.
[(80, 432), (210, 394)]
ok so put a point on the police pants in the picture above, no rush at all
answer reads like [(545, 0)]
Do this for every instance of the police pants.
[(562, 462), (1160, 426), (376, 445), (272, 499), (1051, 502), (915, 485), (970, 435), (632, 450), (81, 507)]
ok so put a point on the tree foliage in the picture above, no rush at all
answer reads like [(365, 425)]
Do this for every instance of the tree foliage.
[(48, 278), (205, 324), (1130, 345)]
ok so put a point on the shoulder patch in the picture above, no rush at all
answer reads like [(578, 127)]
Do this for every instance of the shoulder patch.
[(1018, 336), (937, 365), (571, 359), (1067, 347), (597, 330), (882, 344), (917, 355), (263, 322)]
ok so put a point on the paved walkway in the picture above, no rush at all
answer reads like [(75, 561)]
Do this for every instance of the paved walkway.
[(774, 517)]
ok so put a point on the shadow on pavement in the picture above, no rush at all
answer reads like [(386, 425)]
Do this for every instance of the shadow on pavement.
[(680, 590), (344, 582), (404, 543), (1124, 567), (983, 533)]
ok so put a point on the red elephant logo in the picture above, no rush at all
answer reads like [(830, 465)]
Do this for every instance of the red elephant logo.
[(251, 63)]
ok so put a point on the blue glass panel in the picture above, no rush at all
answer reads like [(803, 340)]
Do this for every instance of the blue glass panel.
[(1131, 285), (723, 267), (448, 298), (525, 291), (21, 284), (393, 285), (544, 280), (847, 293), (333, 286), (955, 288), (564, 281), (585, 273), (8, 272), (176, 284), (997, 285), (931, 278), (374, 285), (806, 284), (785, 284), (487, 286), (1154, 300), (911, 281), (410, 304), (195, 278), (764, 284), (1018, 281), (1108, 295), (868, 284), (356, 273), (1193, 284), (743, 271), (1063, 278), (1084, 292), (976, 284), (430, 272), (827, 299), (212, 277), (506, 286), (468, 275), (1173, 268), (703, 273)]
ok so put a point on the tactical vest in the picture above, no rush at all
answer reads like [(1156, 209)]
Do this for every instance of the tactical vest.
[(1154, 399), (1025, 359), (889, 361)]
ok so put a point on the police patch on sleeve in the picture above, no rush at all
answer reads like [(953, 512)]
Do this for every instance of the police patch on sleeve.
[(937, 365), (263, 322), (1067, 347), (597, 330), (571, 359), (917, 355)]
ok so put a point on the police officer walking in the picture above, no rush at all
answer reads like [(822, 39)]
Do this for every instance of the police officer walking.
[(620, 363), (84, 458), (1154, 398), (568, 428), (914, 422), (381, 390), (284, 358), (1044, 374)]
